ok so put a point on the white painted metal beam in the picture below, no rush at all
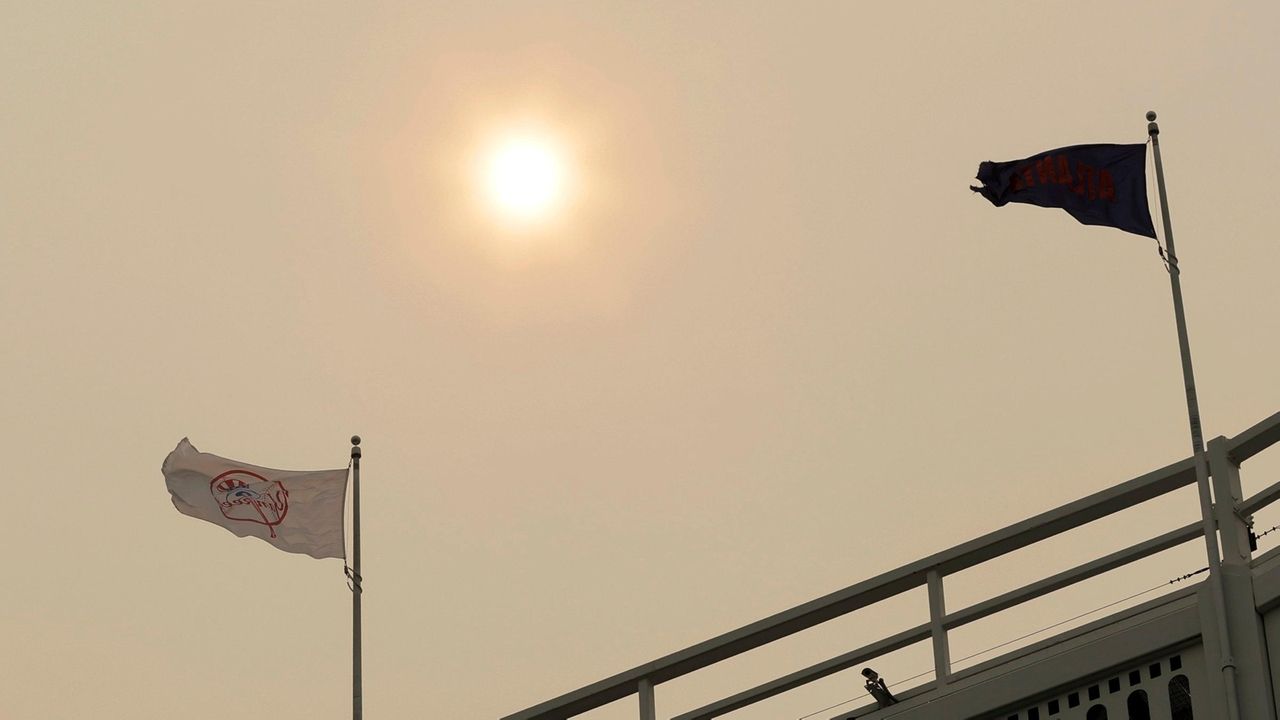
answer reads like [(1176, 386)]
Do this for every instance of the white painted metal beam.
[(868, 592), (1254, 440), (886, 585)]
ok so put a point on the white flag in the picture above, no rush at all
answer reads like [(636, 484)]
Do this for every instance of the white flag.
[(299, 512)]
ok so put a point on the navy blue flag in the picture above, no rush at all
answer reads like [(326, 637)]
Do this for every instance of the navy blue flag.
[(1096, 184)]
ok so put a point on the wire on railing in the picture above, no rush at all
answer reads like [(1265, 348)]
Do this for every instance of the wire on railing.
[(1264, 533), (1255, 537), (1178, 579)]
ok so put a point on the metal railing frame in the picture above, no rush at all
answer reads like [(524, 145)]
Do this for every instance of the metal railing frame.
[(929, 572)]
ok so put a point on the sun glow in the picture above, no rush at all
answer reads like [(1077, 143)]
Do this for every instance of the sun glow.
[(524, 178)]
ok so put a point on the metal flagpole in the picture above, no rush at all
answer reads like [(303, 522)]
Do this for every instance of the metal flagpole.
[(1197, 437), (357, 693)]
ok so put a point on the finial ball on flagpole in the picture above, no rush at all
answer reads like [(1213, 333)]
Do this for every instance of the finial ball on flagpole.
[(355, 439), (1151, 115)]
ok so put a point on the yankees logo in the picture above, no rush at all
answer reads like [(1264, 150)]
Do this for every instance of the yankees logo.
[(248, 497)]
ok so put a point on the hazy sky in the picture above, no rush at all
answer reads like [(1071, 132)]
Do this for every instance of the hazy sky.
[(772, 347)]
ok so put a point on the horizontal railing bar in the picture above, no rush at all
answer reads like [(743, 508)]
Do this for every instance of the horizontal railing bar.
[(863, 654), (1076, 574), (725, 646), (1067, 517), (1254, 440), (1262, 499), (868, 592), (953, 620)]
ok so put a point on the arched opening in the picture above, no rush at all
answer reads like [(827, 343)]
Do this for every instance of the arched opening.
[(1097, 712), (1139, 708), (1180, 698)]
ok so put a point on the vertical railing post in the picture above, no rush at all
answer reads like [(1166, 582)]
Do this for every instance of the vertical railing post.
[(1243, 622), (648, 710), (1233, 530), (937, 610)]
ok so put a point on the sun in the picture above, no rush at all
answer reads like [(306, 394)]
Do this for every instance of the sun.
[(524, 177)]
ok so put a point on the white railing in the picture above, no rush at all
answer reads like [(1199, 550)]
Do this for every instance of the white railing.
[(1225, 456)]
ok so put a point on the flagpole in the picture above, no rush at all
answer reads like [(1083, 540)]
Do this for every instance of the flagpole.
[(1197, 437), (357, 692)]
